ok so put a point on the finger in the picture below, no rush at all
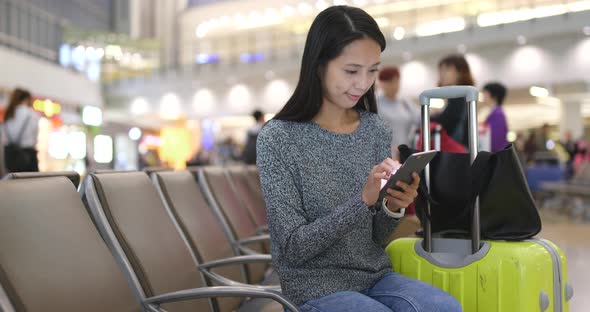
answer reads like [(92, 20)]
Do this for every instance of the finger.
[(380, 175), (404, 186), (390, 162), (416, 181), (385, 168), (409, 195), (394, 204), (400, 195)]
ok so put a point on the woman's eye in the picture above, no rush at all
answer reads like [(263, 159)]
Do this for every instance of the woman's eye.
[(351, 72)]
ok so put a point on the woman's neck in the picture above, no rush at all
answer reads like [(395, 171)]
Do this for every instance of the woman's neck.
[(337, 119)]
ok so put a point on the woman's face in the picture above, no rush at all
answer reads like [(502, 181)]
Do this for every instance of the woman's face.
[(349, 76), (448, 75)]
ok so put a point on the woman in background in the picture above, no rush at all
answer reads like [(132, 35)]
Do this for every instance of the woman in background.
[(21, 127), (454, 70)]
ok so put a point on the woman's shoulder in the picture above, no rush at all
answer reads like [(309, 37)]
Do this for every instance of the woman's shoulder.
[(376, 122), (23, 112), (276, 130)]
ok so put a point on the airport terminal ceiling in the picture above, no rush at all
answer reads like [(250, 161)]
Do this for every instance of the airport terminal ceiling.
[(251, 31)]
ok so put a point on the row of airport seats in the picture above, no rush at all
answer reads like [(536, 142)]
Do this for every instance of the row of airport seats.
[(192, 240), (570, 197)]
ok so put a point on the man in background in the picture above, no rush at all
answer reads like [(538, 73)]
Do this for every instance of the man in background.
[(494, 94), (249, 154)]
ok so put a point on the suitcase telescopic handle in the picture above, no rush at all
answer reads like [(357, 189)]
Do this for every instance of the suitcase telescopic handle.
[(451, 92)]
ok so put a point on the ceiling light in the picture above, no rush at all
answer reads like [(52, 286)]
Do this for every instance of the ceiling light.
[(92, 116), (399, 33), (134, 133), (201, 31), (539, 91), (139, 106), (441, 26)]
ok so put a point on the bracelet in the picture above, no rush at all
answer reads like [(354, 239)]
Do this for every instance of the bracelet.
[(395, 215)]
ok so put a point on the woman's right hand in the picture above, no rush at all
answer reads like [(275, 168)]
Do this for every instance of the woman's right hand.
[(372, 187)]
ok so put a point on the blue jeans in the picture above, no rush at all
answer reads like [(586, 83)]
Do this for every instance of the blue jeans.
[(393, 292)]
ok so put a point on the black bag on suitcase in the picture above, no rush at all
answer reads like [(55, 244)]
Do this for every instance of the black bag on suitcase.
[(507, 207)]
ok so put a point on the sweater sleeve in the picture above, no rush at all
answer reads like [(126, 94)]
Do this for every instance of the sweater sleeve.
[(383, 225), (294, 238)]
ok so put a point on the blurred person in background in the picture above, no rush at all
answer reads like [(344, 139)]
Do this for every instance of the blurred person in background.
[(571, 148), (530, 147), (454, 70), (227, 151), (20, 129), (402, 115), (249, 154), (494, 94), (321, 161)]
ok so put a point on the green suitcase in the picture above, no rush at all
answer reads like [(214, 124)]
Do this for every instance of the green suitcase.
[(522, 276), (498, 276)]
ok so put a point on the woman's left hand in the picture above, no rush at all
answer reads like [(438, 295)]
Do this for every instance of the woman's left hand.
[(397, 200)]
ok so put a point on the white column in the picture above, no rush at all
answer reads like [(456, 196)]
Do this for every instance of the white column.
[(571, 118), (135, 18)]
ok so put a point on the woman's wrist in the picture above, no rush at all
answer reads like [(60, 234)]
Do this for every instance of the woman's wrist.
[(393, 214), (366, 201)]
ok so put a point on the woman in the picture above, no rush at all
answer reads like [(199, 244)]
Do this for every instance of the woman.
[(401, 115), (454, 70), (321, 162), (21, 127)]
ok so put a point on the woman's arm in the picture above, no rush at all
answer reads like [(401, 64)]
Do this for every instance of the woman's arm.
[(295, 238)]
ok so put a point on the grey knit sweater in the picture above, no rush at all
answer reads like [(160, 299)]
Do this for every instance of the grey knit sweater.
[(323, 237)]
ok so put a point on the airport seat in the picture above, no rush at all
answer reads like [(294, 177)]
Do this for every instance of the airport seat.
[(140, 232), (204, 234), (232, 213), (150, 170), (251, 193), (51, 256), (229, 206), (71, 175)]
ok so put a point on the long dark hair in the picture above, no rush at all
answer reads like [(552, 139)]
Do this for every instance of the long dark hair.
[(16, 98), (460, 63), (331, 31)]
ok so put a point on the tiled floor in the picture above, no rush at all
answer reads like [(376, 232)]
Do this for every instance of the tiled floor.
[(574, 240)]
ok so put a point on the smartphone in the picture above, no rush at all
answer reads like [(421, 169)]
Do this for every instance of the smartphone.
[(415, 163)]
